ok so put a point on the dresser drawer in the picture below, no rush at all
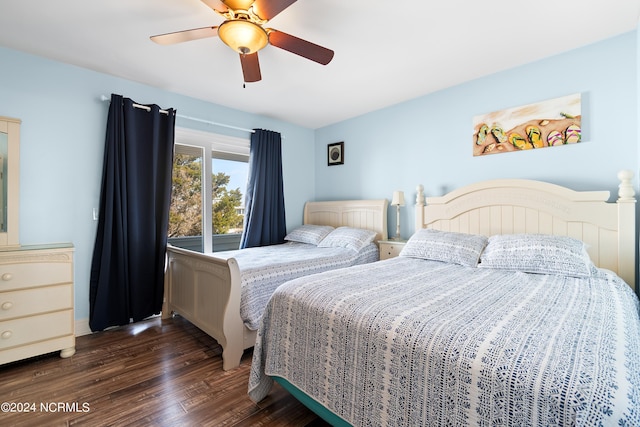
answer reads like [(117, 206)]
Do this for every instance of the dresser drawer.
[(33, 301), (27, 330), (20, 276), (390, 248)]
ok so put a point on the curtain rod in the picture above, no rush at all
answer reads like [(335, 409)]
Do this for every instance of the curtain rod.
[(144, 107)]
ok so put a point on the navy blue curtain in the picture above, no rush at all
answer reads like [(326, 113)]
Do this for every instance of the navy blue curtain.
[(264, 221), (127, 269)]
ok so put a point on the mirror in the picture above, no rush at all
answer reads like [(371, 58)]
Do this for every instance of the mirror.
[(4, 145), (9, 182)]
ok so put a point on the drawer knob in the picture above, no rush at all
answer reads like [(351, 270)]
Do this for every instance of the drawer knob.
[(7, 305), (7, 276), (6, 335)]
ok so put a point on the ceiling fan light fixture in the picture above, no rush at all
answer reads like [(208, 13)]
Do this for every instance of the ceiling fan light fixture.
[(243, 36)]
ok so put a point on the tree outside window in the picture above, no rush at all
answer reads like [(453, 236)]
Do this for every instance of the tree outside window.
[(223, 192)]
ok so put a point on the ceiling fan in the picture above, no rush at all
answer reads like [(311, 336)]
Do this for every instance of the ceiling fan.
[(243, 31)]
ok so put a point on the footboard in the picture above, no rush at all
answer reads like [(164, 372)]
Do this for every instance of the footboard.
[(206, 291)]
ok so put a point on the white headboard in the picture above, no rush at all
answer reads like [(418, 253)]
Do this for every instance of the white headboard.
[(508, 206), (369, 214)]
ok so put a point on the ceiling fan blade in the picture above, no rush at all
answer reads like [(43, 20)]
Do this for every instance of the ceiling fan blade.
[(268, 9), (306, 49), (250, 67), (185, 36), (217, 5)]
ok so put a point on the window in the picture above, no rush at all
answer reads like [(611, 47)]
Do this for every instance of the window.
[(209, 180)]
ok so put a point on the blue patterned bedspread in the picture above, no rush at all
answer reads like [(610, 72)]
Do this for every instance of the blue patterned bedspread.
[(422, 343), (264, 268)]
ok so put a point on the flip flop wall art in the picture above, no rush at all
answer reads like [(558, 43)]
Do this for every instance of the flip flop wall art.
[(544, 124)]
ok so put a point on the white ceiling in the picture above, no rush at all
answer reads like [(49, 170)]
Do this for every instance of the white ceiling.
[(385, 52)]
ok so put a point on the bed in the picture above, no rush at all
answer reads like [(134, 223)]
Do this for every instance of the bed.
[(213, 291), (512, 304)]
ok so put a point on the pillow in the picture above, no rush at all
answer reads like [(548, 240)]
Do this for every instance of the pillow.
[(537, 253), (347, 237), (308, 233), (445, 246)]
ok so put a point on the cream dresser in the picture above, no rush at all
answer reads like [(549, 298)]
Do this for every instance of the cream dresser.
[(36, 301)]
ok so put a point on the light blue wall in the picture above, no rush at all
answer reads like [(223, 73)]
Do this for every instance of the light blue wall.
[(424, 141), (428, 140), (62, 146)]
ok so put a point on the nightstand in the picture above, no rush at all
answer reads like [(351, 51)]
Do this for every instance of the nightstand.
[(390, 248)]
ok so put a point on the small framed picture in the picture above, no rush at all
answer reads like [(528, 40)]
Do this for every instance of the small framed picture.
[(335, 154)]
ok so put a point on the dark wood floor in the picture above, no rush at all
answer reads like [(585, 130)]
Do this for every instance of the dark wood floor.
[(152, 373)]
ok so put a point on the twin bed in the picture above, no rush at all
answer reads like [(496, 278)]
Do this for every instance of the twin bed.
[(512, 304), (225, 293)]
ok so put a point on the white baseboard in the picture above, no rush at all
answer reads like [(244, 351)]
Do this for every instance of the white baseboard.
[(82, 327)]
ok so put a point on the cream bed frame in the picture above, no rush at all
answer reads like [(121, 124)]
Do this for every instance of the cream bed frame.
[(522, 206), (205, 289)]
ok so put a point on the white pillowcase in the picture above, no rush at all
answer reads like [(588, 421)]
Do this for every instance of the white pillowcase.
[(537, 253), (309, 233), (445, 246), (347, 237)]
